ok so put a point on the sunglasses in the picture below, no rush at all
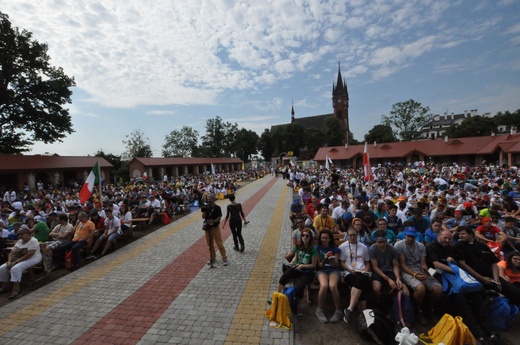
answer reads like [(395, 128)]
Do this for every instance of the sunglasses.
[(304, 235)]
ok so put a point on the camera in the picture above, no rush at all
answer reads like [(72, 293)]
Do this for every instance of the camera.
[(204, 208)]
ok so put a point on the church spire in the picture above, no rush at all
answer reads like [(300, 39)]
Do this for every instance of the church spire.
[(339, 83), (292, 111)]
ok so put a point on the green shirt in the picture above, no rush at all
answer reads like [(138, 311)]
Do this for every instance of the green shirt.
[(41, 232)]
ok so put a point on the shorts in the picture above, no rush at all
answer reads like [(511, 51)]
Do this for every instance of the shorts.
[(53, 244), (329, 273), (380, 279), (413, 283)]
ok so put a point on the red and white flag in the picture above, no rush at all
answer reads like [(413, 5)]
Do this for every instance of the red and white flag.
[(145, 176), (367, 168), (88, 186)]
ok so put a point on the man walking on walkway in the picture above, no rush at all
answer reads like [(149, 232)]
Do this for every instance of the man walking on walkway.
[(212, 213)]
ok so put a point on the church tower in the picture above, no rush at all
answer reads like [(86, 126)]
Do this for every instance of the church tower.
[(340, 102)]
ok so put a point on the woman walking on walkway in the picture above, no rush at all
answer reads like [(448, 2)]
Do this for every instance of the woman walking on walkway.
[(235, 214)]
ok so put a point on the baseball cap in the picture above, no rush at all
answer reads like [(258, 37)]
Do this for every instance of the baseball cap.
[(468, 204), (410, 231), (486, 219)]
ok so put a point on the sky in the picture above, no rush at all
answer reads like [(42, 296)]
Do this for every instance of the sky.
[(156, 66)]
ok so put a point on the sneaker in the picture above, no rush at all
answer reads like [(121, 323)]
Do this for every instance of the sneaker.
[(210, 262), (338, 315), (495, 340), (349, 315), (235, 248), (226, 263), (242, 249), (321, 316), (91, 256)]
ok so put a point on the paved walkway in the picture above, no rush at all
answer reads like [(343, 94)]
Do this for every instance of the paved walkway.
[(159, 289)]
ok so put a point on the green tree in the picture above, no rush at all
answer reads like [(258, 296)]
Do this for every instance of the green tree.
[(137, 145), (292, 138), (246, 144), (220, 138), (333, 132), (507, 118), (180, 143), (314, 139), (266, 145), (476, 126), (32, 92), (120, 168), (380, 134), (407, 119)]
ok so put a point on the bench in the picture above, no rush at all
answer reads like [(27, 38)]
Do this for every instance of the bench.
[(140, 223)]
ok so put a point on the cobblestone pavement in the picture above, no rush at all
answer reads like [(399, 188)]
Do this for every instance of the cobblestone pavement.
[(159, 290)]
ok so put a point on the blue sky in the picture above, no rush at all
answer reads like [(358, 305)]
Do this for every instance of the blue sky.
[(157, 66)]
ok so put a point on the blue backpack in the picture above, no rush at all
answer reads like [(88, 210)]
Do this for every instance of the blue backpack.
[(501, 312), (402, 310), (290, 292)]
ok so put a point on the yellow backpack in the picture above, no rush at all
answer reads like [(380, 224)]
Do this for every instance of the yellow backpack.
[(280, 310), (449, 331)]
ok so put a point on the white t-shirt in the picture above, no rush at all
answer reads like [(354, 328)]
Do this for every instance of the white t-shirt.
[(32, 244), (354, 255), (113, 225)]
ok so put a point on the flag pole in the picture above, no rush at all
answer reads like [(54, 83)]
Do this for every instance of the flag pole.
[(100, 191)]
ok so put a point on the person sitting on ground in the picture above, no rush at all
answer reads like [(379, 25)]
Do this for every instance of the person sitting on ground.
[(418, 221), (489, 233), (110, 235), (324, 221), (381, 226), (40, 229), (438, 255), (513, 234), (431, 234), (355, 260), (509, 272), (305, 257), (296, 210), (328, 275), (412, 259), (25, 254), (83, 233), (386, 276), (126, 218)]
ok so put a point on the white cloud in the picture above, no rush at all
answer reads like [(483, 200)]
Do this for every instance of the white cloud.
[(160, 112)]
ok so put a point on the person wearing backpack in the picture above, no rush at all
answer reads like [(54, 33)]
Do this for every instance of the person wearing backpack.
[(305, 258)]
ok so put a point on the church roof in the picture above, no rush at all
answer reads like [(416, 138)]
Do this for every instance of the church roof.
[(315, 121)]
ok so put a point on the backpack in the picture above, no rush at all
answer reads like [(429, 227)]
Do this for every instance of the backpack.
[(460, 281), (402, 310), (290, 292), (501, 312), (69, 260), (449, 331), (279, 311), (375, 326)]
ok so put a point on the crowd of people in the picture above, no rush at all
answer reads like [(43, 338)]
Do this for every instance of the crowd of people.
[(45, 225), (399, 231)]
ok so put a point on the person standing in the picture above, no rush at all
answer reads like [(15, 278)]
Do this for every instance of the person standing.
[(212, 214), (235, 214)]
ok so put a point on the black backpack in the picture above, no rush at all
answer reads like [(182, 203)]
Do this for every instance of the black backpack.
[(375, 326)]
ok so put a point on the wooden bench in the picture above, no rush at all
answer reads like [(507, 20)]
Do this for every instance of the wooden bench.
[(140, 223)]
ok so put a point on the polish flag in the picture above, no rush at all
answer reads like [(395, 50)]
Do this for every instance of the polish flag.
[(145, 176), (367, 169), (88, 186)]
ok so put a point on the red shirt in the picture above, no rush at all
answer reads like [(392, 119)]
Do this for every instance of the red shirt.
[(489, 233)]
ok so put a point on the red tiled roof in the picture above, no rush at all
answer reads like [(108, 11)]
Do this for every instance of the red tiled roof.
[(23, 162), (509, 143), (160, 161)]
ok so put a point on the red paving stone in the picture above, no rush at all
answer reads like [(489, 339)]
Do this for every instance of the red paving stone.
[(155, 296)]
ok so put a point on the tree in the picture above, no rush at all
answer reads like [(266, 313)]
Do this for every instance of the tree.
[(380, 134), (220, 138), (333, 132), (407, 119), (246, 144), (314, 139), (292, 138), (32, 92), (120, 168), (507, 118), (476, 126), (266, 145), (137, 145), (180, 143)]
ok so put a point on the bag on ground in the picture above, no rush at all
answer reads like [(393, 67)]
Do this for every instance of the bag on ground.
[(374, 325), (449, 331), (290, 292), (460, 281), (501, 312), (402, 310), (69, 260), (280, 311)]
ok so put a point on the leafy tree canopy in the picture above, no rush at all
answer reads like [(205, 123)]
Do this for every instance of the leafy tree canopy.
[(266, 145), (32, 92), (476, 126), (180, 143), (333, 132), (407, 119), (246, 144), (137, 145), (219, 140), (380, 134)]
